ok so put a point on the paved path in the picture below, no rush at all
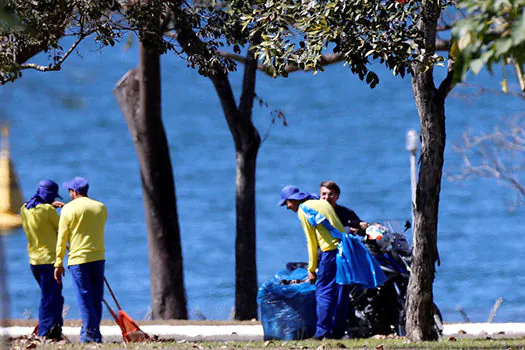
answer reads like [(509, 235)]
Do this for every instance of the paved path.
[(255, 332)]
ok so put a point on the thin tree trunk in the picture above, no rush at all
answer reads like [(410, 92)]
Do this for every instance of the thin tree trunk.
[(420, 322), (247, 142), (139, 96), (431, 108), (245, 241)]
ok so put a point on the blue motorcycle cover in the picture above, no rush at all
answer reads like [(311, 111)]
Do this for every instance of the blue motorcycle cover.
[(287, 307), (356, 265)]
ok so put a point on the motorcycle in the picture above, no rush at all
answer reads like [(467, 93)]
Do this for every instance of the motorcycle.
[(382, 310), (287, 300)]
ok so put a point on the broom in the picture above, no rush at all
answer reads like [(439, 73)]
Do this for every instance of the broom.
[(131, 332)]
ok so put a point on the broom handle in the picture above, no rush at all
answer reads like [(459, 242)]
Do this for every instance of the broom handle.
[(111, 292), (111, 311)]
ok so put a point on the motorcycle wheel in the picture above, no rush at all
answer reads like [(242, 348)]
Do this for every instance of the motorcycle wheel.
[(438, 320), (401, 330)]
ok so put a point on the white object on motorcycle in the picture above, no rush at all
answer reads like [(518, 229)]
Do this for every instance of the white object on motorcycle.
[(375, 231), (381, 235)]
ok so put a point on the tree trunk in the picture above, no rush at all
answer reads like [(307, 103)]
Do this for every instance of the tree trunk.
[(420, 322), (431, 108), (247, 142), (245, 241), (139, 96)]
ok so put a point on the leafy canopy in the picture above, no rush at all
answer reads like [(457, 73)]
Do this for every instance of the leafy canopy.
[(493, 32), (360, 31), (41, 25)]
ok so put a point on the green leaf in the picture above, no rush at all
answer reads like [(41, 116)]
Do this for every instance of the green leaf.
[(462, 28), (476, 65), (372, 79), (518, 30), (464, 41), (502, 46)]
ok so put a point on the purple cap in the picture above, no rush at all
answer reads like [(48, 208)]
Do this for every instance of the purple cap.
[(78, 184), (48, 189)]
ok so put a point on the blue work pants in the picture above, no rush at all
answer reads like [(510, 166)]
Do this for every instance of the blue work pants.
[(341, 315), (88, 279), (325, 293), (51, 299)]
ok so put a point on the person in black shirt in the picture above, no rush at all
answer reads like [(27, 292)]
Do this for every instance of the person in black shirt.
[(330, 192)]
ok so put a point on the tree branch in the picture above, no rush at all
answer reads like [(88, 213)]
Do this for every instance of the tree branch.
[(248, 84), (242, 59), (443, 45), (446, 85), (496, 156), (58, 65), (326, 59)]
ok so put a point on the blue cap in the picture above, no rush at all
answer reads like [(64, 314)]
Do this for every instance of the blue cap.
[(78, 184), (48, 189), (292, 192), (46, 192)]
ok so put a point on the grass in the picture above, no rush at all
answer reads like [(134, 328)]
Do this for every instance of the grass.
[(383, 343)]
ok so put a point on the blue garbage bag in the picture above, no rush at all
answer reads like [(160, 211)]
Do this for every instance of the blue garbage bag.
[(287, 307)]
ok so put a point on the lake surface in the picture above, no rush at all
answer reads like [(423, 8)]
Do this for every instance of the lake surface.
[(68, 123)]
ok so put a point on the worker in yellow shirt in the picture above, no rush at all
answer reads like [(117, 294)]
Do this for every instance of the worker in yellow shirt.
[(40, 223), (81, 225), (323, 231)]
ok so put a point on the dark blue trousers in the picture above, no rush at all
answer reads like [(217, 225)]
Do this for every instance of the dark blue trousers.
[(51, 299), (341, 315), (88, 279), (325, 294)]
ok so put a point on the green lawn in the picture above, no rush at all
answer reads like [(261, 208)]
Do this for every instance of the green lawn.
[(387, 343)]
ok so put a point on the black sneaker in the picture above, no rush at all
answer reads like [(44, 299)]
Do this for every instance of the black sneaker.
[(55, 333)]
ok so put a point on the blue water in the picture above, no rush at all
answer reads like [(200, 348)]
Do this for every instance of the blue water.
[(68, 123)]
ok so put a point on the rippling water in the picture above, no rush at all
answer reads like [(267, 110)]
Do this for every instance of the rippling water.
[(68, 123)]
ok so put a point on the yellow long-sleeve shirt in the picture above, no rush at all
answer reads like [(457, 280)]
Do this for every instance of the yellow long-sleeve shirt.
[(40, 226), (317, 236), (81, 224)]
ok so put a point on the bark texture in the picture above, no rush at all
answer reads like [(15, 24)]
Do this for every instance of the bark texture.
[(430, 103), (139, 96), (247, 142)]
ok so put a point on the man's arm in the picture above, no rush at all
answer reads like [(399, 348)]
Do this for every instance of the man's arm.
[(63, 236), (311, 241), (354, 222), (353, 219)]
